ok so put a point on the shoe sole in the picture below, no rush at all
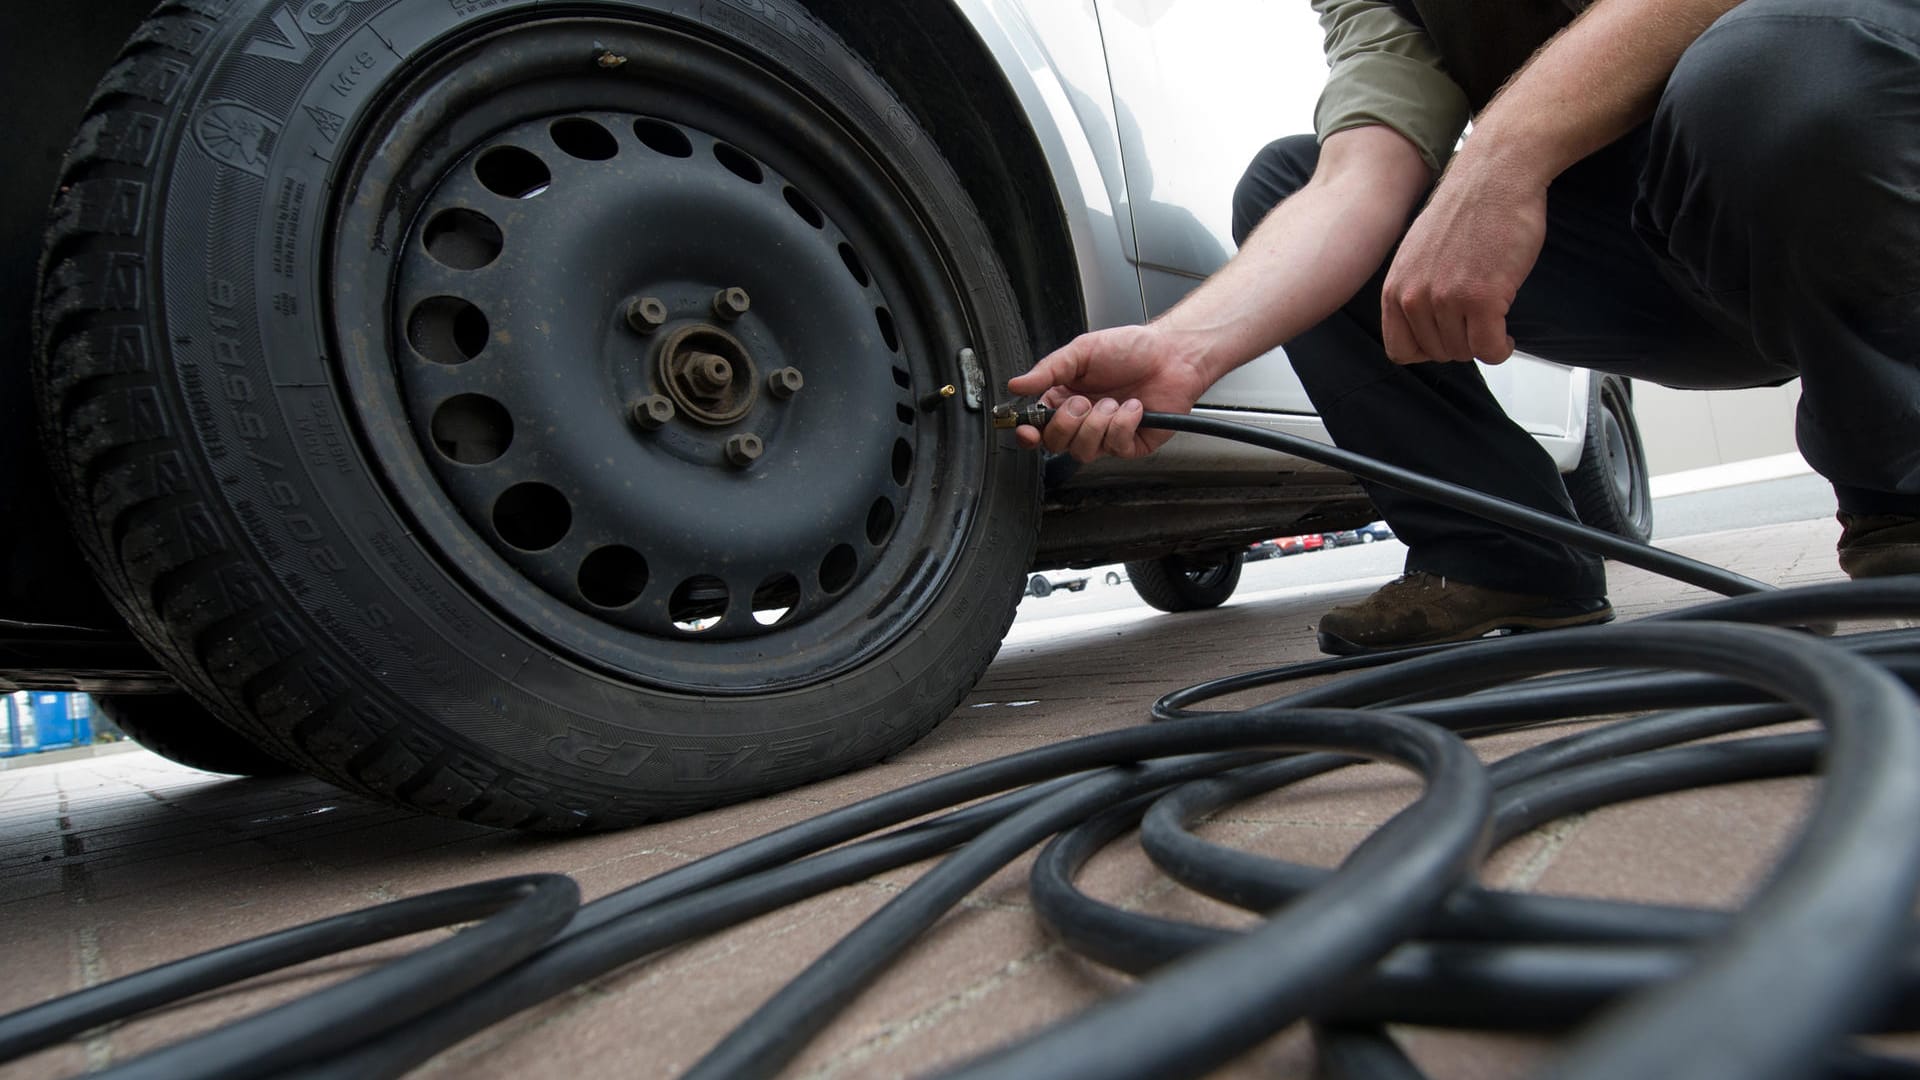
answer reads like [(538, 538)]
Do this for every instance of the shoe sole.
[(1335, 645), (1880, 560)]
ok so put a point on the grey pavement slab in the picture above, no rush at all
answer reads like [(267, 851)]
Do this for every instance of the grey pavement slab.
[(114, 863)]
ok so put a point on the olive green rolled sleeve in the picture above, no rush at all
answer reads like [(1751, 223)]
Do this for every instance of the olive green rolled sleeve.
[(1382, 69)]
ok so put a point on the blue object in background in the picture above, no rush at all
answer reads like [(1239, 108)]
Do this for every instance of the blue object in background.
[(51, 720)]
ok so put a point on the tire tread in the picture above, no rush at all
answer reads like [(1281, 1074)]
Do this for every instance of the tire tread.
[(136, 535)]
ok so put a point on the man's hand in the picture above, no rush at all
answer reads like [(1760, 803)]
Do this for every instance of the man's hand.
[(1451, 285), (1456, 274), (1298, 266), (1101, 383)]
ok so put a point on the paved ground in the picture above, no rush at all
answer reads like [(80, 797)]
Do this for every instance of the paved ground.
[(112, 864)]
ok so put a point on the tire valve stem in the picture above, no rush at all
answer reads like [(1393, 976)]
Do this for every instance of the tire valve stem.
[(1006, 416), (938, 398)]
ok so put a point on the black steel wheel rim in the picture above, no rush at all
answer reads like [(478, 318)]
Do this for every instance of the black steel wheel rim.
[(612, 214)]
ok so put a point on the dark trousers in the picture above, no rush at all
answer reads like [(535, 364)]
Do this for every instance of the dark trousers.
[(1764, 225)]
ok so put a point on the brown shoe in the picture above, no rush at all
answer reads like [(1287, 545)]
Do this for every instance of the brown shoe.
[(1879, 545), (1425, 609)]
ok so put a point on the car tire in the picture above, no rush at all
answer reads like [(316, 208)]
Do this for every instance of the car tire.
[(1038, 586), (1610, 486), (389, 454), (178, 729), (1186, 582), (1366, 538)]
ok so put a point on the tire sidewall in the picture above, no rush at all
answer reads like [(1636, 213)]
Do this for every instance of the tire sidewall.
[(351, 607)]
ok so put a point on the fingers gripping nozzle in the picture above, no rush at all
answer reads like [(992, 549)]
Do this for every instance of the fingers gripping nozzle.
[(1006, 416)]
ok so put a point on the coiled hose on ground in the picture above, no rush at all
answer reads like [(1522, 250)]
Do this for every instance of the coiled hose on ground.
[(1400, 932)]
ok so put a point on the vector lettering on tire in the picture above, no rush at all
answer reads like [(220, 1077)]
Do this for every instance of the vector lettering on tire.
[(522, 416)]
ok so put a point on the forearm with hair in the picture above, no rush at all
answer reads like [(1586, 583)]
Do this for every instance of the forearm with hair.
[(1310, 255), (1594, 82)]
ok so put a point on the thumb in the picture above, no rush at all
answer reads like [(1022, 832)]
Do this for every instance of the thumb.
[(1060, 368), (1033, 383)]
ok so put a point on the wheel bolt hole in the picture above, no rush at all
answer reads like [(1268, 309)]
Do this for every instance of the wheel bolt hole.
[(880, 520), (854, 266), (585, 139), (838, 568), (698, 604), (463, 239), (905, 413), (447, 330), (532, 517), (901, 379), (738, 163), (512, 173), (887, 330), (472, 429), (902, 462), (663, 138), (613, 577), (775, 599), (803, 206)]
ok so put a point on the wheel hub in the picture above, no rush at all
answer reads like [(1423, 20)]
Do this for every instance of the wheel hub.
[(708, 374)]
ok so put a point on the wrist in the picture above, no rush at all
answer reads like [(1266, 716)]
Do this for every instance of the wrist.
[(1202, 347)]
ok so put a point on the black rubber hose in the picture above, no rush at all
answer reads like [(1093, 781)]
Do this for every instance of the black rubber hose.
[(1257, 883), (1877, 598), (1357, 1052), (1397, 935), (513, 917), (1213, 1006), (1107, 934), (780, 1028), (1807, 928), (524, 912), (720, 891), (1358, 915), (1498, 510), (668, 910), (1526, 986)]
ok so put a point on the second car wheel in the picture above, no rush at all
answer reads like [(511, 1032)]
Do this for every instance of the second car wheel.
[(1187, 582), (1610, 487), (515, 411)]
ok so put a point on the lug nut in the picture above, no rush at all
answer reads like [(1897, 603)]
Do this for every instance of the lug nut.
[(744, 450), (646, 314), (653, 412), (785, 382), (730, 304)]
